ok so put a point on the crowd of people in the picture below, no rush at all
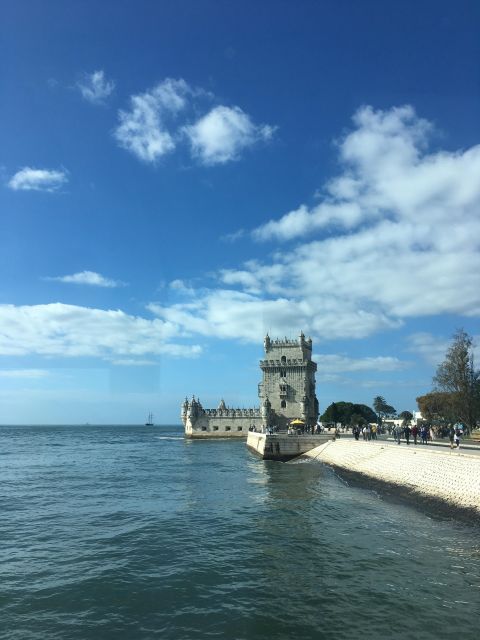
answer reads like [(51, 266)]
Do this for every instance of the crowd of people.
[(422, 434)]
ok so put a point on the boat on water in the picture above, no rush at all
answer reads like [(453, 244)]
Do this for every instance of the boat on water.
[(149, 422)]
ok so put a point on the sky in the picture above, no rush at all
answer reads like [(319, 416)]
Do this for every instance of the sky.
[(179, 178)]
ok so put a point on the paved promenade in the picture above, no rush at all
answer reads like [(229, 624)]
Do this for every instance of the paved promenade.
[(434, 473)]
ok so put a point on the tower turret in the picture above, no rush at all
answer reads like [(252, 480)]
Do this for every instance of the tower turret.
[(267, 343)]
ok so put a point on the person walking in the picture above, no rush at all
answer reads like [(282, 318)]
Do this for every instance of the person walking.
[(414, 433), (397, 431), (406, 433), (451, 436), (457, 438), (424, 435)]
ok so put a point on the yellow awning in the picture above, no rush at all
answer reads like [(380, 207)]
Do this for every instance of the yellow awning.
[(297, 421)]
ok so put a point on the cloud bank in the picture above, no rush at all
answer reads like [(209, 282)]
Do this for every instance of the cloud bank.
[(95, 88), (64, 330), (89, 278), (394, 237), (143, 130), (151, 127), (224, 132), (30, 179)]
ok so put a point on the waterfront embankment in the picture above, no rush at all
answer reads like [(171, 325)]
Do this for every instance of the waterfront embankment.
[(281, 446), (447, 480)]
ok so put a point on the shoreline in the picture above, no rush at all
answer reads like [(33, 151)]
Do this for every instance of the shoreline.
[(441, 483), (431, 506)]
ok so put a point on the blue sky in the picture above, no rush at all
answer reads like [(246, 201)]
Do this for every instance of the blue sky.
[(179, 178)]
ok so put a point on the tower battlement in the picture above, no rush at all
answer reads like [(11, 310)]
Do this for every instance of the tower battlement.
[(287, 391)]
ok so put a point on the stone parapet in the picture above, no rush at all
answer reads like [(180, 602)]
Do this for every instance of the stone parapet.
[(232, 413), (283, 447)]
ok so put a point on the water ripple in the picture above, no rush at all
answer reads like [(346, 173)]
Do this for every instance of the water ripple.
[(129, 532)]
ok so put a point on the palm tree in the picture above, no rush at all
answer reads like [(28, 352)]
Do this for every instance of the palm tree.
[(379, 404)]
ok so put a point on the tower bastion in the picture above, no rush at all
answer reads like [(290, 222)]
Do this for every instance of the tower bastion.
[(286, 392)]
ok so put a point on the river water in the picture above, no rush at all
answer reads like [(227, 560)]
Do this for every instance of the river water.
[(135, 533)]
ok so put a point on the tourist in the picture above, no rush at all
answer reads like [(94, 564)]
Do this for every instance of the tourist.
[(374, 432), (414, 433), (424, 435), (457, 438), (397, 433), (407, 431), (356, 432), (451, 436)]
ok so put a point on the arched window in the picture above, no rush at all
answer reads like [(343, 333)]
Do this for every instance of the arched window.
[(284, 404), (284, 359)]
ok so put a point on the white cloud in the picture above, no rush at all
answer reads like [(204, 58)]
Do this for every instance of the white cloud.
[(434, 348), (334, 363), (133, 362), (180, 285), (143, 129), (95, 88), (150, 128), (89, 278), (28, 374), (388, 173), (224, 132), (398, 239), (72, 331), (30, 179), (225, 313), (234, 236)]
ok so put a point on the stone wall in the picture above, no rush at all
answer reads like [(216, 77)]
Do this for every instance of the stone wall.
[(282, 447), (447, 476), (221, 426)]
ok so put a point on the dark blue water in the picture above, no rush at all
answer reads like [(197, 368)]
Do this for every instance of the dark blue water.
[(135, 533)]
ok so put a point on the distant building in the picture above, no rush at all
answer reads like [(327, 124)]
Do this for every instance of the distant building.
[(286, 392)]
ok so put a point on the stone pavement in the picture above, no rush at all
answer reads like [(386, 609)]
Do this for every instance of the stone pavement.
[(439, 474)]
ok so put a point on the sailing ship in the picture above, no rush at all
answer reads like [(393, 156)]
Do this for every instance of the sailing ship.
[(149, 422)]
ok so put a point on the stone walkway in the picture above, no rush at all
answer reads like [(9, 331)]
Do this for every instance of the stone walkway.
[(429, 472)]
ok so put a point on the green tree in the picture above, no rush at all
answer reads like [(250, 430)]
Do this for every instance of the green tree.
[(437, 408), (357, 420), (406, 416), (390, 412), (383, 409), (457, 376), (343, 412), (379, 403), (331, 414)]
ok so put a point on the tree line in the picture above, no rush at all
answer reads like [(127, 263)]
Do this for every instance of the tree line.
[(351, 414), (455, 396)]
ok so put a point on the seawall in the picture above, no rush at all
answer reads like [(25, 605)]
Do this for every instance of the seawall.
[(445, 479), (282, 447)]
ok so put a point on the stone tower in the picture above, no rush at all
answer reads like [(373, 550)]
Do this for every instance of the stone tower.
[(287, 390)]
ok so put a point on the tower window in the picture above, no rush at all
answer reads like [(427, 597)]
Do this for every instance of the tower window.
[(284, 404)]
